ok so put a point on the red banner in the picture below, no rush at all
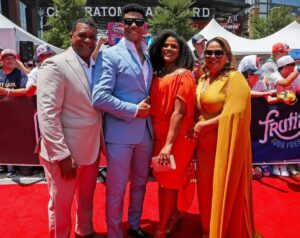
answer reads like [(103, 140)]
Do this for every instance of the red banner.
[(17, 128)]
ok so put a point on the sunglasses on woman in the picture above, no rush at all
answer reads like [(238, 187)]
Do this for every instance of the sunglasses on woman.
[(130, 21), (217, 53)]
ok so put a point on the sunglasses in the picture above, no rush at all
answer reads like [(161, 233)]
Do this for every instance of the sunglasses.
[(130, 21), (217, 53)]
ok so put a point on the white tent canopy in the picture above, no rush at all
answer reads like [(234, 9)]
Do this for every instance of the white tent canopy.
[(289, 35), (11, 34)]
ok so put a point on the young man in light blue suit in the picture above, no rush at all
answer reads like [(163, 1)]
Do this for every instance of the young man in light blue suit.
[(121, 84)]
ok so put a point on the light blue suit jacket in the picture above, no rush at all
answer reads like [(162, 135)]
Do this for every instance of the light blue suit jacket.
[(118, 87)]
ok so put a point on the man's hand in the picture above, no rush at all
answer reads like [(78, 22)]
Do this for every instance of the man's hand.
[(30, 91), (3, 92), (68, 168), (272, 92), (144, 108)]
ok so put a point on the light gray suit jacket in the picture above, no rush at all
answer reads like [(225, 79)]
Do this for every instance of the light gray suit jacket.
[(69, 123)]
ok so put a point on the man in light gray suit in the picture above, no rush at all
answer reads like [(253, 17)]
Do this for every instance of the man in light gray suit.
[(122, 81), (71, 132)]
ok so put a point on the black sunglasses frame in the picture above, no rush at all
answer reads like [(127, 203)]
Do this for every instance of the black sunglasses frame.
[(216, 53), (130, 21)]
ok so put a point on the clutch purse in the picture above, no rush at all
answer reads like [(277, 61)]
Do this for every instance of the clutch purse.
[(163, 168)]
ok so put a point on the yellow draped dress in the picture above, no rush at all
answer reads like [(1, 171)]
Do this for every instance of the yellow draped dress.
[(224, 158)]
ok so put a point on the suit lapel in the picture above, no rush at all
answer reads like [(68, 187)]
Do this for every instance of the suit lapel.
[(76, 67), (150, 75), (132, 62)]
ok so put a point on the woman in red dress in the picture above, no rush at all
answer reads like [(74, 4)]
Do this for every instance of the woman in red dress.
[(172, 99)]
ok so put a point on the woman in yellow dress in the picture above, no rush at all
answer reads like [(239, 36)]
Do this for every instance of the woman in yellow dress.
[(224, 147)]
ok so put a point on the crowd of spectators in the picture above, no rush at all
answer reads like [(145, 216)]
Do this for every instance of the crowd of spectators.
[(267, 79), (279, 73), (214, 117)]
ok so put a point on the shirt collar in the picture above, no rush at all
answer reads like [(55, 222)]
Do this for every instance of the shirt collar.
[(130, 45), (82, 62)]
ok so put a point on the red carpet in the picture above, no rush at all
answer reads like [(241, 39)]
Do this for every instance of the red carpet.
[(23, 210)]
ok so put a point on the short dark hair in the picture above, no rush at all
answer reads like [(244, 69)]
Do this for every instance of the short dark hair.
[(185, 57), (133, 8), (86, 21)]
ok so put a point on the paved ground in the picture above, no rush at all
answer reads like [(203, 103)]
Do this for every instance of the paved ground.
[(36, 177)]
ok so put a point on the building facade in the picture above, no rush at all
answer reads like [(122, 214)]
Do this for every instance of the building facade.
[(266, 5), (32, 15)]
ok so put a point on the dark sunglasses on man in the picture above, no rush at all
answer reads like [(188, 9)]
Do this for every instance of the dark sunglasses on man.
[(217, 53), (130, 21)]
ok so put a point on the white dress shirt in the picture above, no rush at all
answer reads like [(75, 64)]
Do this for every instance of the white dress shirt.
[(87, 68), (145, 67)]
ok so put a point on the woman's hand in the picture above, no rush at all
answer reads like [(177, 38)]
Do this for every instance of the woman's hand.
[(190, 134), (193, 133), (198, 127), (164, 155)]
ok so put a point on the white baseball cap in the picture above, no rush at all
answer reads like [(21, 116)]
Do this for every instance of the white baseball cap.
[(285, 60), (42, 49), (8, 52)]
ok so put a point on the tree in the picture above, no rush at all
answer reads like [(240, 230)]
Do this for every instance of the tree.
[(60, 25), (278, 18), (174, 15)]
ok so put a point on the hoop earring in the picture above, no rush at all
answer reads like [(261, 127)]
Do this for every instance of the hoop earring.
[(227, 65)]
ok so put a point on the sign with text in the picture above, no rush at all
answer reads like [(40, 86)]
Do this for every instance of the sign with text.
[(275, 131), (115, 32), (116, 11)]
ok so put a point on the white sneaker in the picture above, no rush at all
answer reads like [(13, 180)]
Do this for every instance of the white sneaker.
[(283, 171), (276, 170), (292, 169)]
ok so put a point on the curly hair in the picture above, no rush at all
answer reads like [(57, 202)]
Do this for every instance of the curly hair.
[(185, 58)]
